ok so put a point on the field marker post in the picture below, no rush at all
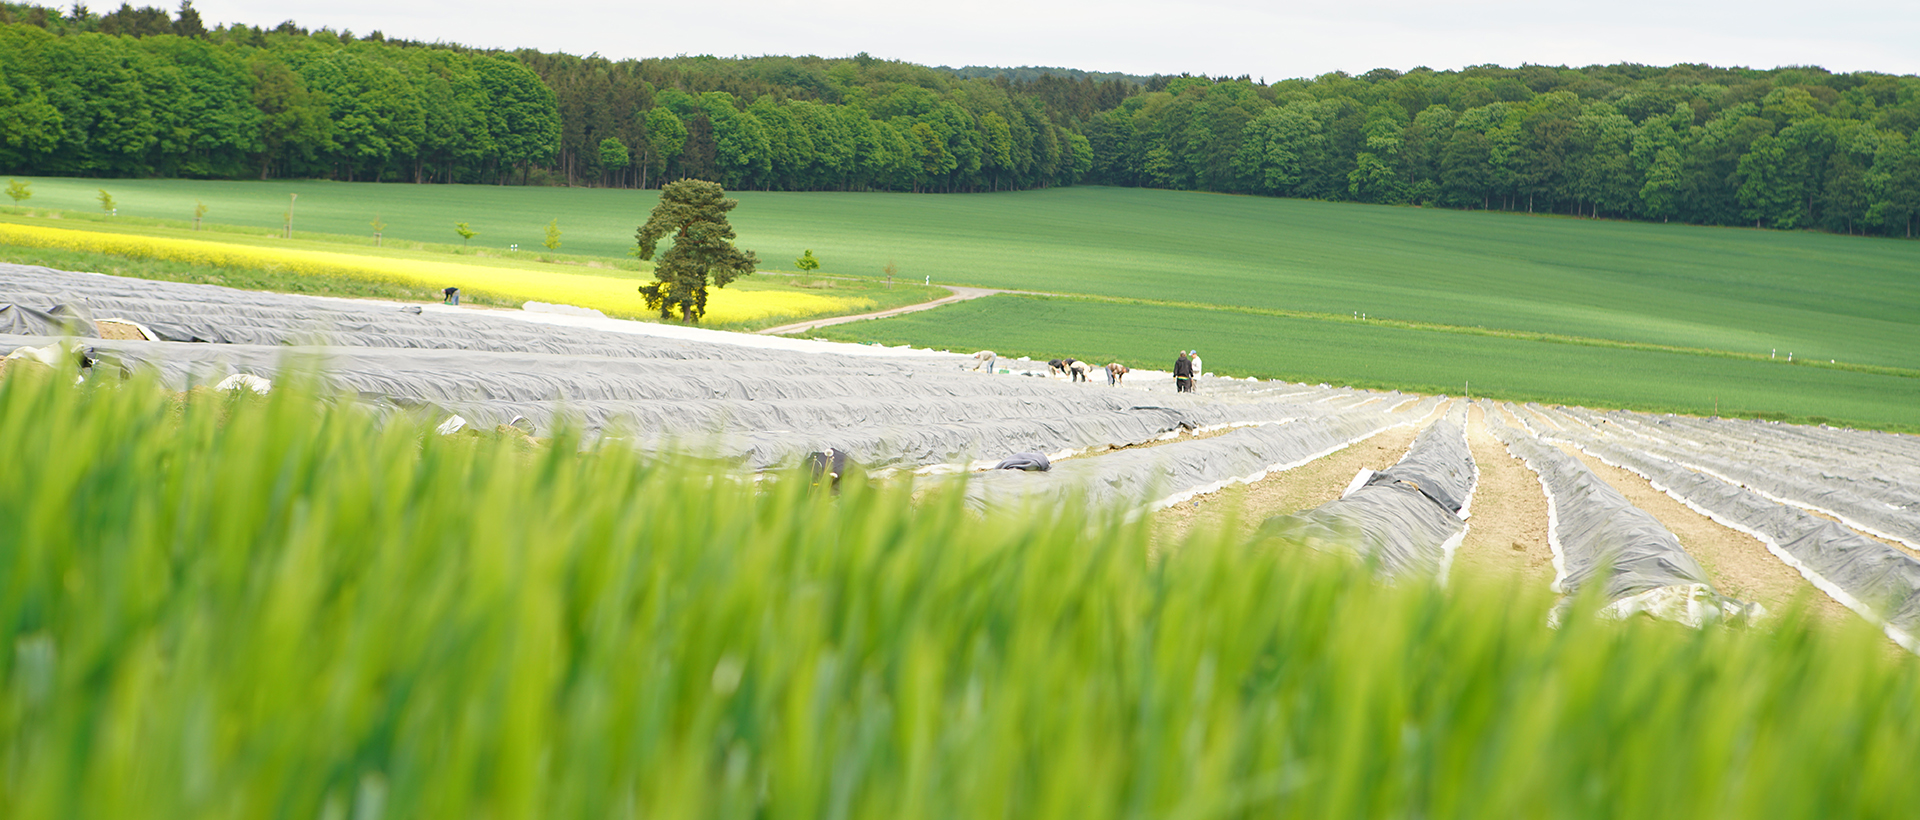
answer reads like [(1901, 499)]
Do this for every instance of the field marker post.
[(290, 200)]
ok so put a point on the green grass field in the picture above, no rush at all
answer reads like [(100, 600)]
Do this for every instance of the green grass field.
[(1817, 295), (1750, 293), (1377, 355), (277, 607)]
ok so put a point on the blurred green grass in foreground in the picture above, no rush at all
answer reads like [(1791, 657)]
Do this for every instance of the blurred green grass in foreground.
[(275, 607)]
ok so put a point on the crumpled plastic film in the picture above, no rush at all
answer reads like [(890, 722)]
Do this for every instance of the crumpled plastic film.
[(1861, 478), (1155, 477), (1878, 581), (1598, 536), (758, 401), (1406, 518)]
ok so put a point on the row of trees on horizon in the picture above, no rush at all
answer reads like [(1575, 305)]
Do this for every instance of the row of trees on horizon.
[(139, 92)]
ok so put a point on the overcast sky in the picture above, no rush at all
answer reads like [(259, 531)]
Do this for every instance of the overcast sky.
[(1275, 39)]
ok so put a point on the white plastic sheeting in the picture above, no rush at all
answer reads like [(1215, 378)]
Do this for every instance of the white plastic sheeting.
[(245, 381)]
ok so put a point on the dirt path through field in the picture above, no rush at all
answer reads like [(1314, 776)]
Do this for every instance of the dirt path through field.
[(960, 294)]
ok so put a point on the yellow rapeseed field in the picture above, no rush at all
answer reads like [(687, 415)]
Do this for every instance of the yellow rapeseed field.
[(616, 297)]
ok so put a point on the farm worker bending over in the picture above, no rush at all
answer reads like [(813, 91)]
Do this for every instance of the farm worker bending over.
[(452, 294)]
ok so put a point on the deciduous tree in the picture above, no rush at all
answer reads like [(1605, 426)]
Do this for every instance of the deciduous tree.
[(614, 158), (666, 135)]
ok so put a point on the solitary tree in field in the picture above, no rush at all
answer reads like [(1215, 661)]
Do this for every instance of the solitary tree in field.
[(553, 235), (807, 262), (694, 213), (20, 191), (106, 202), (466, 234), (199, 212), (379, 227)]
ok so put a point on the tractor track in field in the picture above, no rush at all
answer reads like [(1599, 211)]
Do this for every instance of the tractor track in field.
[(959, 293)]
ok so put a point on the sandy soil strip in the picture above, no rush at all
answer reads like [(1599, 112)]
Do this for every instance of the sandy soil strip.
[(1244, 506), (1737, 563), (1183, 436), (1507, 533), (118, 331)]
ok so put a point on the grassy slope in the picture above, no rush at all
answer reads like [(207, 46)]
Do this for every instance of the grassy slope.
[(276, 607), (1374, 354), (1817, 295), (1737, 291)]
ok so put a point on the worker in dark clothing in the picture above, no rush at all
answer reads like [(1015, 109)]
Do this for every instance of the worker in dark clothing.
[(1183, 373)]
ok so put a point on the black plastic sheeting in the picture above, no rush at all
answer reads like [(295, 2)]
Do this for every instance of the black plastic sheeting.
[(1407, 519), (1860, 479), (1878, 581), (56, 320), (1597, 534), (1029, 462)]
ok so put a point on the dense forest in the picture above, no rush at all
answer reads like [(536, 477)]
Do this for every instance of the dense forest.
[(145, 92)]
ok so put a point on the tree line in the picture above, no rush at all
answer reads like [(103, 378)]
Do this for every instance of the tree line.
[(134, 93), (813, 124), (140, 92), (1785, 148)]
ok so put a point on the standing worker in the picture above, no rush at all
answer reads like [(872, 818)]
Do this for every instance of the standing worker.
[(1183, 373), (1198, 371)]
